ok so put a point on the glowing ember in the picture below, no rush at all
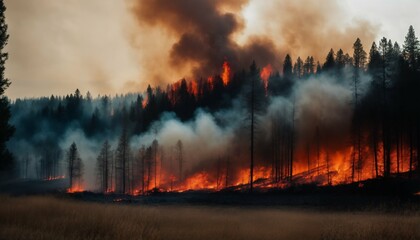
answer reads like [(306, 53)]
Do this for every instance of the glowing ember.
[(54, 178), (144, 102), (210, 81)]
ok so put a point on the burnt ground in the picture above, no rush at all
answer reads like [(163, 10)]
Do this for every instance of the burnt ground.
[(395, 194)]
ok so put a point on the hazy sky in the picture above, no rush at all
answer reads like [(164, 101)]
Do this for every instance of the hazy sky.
[(96, 45)]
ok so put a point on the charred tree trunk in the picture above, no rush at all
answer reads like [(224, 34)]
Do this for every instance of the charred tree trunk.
[(418, 150), (410, 171), (318, 150), (375, 152), (251, 167), (143, 169), (292, 142), (155, 149), (180, 159), (227, 173), (308, 155), (398, 151), (353, 162), (327, 159)]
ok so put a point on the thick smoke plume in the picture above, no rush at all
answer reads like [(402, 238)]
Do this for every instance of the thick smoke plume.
[(204, 34), (121, 46), (200, 35)]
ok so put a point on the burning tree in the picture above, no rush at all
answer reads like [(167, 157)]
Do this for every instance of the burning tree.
[(255, 96), (75, 168), (155, 149), (359, 59), (327, 142)]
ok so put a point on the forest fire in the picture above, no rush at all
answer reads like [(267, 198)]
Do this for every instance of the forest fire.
[(195, 134), (198, 181), (209, 119), (328, 167)]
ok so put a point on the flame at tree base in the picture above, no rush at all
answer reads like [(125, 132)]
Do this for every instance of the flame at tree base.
[(75, 189)]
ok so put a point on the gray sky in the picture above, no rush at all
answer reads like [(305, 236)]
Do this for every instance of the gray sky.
[(58, 46)]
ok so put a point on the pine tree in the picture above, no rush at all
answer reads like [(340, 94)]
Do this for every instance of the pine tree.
[(411, 48), (254, 73), (318, 68), (308, 67), (359, 58), (104, 166), (329, 61), (122, 155), (359, 55), (374, 69), (340, 59), (6, 130), (75, 167), (287, 66), (298, 68), (386, 52)]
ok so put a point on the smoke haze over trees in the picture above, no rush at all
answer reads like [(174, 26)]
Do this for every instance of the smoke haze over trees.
[(75, 37), (348, 117)]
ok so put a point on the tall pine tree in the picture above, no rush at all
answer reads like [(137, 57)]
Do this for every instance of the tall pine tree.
[(6, 130), (411, 48)]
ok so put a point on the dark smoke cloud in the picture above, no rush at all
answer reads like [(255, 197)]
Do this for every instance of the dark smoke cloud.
[(204, 34)]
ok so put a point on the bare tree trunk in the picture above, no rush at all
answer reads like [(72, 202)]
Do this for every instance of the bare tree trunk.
[(292, 141), (411, 156), (318, 150), (308, 155), (398, 152), (375, 153), (251, 168), (227, 173), (328, 167), (143, 171), (418, 149)]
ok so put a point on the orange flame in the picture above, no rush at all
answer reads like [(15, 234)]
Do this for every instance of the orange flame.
[(265, 75), (200, 180), (226, 73), (193, 88), (145, 102), (75, 189), (210, 82)]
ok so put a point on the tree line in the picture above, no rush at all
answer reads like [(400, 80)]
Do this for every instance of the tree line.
[(385, 120)]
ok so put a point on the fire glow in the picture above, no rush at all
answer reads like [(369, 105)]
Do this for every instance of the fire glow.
[(322, 166), (327, 168)]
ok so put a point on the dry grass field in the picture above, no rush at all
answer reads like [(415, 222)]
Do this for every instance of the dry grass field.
[(54, 218)]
